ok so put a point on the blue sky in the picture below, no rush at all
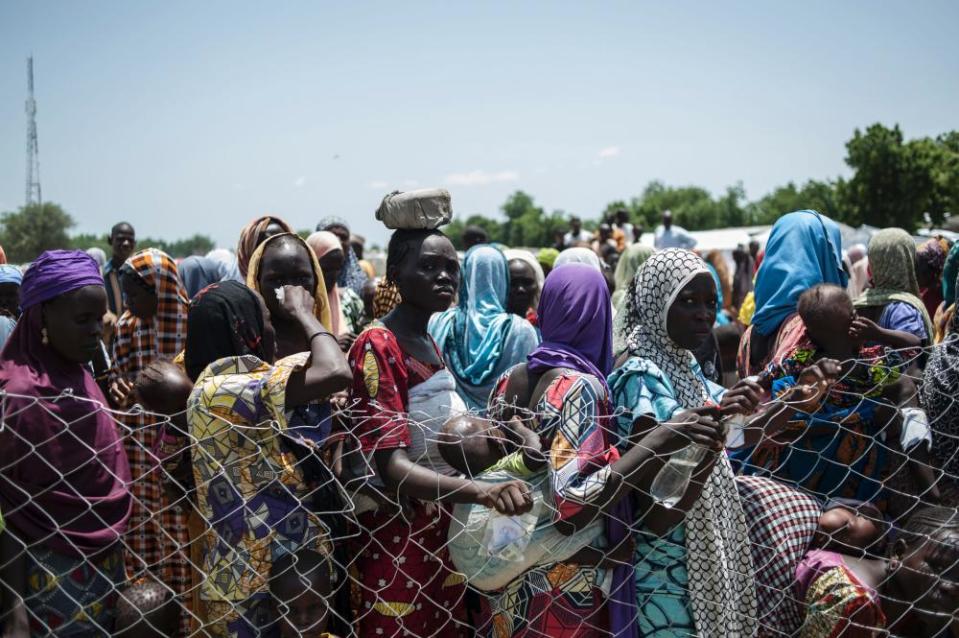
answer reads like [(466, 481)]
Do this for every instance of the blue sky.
[(195, 117)]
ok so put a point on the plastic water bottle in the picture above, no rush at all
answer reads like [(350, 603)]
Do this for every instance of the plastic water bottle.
[(670, 484)]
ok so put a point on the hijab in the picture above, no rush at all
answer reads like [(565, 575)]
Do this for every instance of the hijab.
[(56, 426), (321, 243), (229, 262), (197, 273), (804, 249), (858, 278), (950, 272), (633, 257), (578, 255), (575, 320), (721, 586), (352, 276), (139, 342), (98, 255), (225, 321), (892, 260), (527, 258), (475, 336), (321, 304), (250, 238), (547, 256), (10, 275)]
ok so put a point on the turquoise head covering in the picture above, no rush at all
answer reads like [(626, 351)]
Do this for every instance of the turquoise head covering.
[(721, 319), (804, 249), (476, 336)]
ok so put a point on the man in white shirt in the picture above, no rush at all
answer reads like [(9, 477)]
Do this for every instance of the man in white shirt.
[(669, 236), (576, 234)]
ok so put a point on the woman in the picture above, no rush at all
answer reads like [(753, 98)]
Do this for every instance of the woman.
[(633, 257), (64, 476), (526, 279), (893, 300), (547, 257), (912, 592), (152, 327), (707, 592), (243, 414), (930, 262), (346, 307), (478, 338), (947, 308), (282, 260), (578, 255), (352, 275), (197, 273), (254, 234), (562, 391), (10, 281), (804, 249), (397, 372)]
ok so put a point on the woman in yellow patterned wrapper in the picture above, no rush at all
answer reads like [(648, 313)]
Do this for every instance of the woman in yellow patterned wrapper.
[(244, 416)]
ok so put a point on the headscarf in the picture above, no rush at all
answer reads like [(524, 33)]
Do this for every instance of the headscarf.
[(230, 264), (721, 587), (575, 319), (7, 324), (804, 249), (249, 238), (633, 257), (547, 256), (933, 254), (578, 255), (98, 255), (352, 275), (385, 298), (10, 275), (63, 470), (225, 321), (139, 342), (527, 258), (197, 273), (477, 337), (937, 393), (322, 242), (892, 260), (950, 271), (321, 304)]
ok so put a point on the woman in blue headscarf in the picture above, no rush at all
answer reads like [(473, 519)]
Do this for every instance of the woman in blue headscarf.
[(804, 249), (479, 338)]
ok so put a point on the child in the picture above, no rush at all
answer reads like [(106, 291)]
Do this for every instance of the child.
[(303, 584), (840, 450), (480, 449), (846, 526), (146, 609)]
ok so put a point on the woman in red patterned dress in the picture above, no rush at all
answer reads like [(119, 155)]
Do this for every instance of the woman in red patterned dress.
[(405, 576)]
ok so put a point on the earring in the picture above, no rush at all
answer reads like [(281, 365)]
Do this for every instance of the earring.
[(43, 336)]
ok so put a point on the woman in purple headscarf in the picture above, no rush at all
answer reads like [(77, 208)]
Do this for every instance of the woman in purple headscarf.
[(562, 390), (63, 470)]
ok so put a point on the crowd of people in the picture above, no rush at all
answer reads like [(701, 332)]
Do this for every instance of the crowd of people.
[(598, 438)]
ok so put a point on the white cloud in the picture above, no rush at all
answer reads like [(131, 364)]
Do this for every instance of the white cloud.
[(300, 181), (481, 178), (608, 152), (378, 185)]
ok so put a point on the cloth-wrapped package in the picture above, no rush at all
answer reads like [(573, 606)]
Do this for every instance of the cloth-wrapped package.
[(427, 208)]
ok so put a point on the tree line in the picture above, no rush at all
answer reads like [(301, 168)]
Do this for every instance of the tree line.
[(894, 182)]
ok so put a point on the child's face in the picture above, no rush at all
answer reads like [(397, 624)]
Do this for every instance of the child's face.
[(831, 331), (846, 528), (305, 615)]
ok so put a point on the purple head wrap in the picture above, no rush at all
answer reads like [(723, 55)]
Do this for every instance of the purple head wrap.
[(575, 318), (56, 272)]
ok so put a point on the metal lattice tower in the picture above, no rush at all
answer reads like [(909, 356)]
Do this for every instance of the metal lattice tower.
[(33, 150)]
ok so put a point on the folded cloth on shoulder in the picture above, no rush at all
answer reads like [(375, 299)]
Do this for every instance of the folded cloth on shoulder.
[(426, 208)]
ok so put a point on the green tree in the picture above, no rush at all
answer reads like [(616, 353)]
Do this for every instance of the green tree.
[(822, 196), (33, 229), (195, 245)]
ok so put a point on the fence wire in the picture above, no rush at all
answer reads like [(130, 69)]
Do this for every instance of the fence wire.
[(266, 527)]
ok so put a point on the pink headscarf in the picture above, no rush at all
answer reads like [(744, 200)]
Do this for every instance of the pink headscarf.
[(321, 243)]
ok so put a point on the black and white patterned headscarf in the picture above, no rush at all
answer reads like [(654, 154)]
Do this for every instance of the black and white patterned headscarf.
[(938, 395), (721, 586)]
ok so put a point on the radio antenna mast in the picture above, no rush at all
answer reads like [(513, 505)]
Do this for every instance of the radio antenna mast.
[(33, 150)]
